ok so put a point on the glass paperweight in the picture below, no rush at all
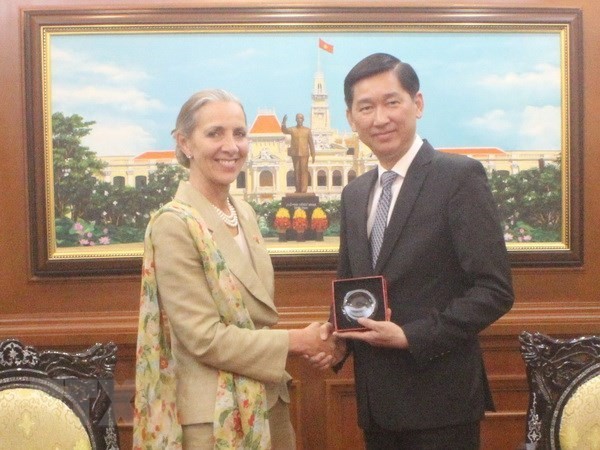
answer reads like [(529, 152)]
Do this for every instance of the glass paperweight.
[(356, 298)]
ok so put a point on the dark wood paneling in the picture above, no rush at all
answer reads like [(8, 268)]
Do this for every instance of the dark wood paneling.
[(342, 431), (323, 406), (323, 403)]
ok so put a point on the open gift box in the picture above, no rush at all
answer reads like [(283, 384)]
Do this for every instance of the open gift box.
[(354, 298)]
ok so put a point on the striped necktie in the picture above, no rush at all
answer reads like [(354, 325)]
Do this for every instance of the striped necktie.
[(381, 214)]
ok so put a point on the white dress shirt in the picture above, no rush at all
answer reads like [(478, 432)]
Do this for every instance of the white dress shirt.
[(401, 167)]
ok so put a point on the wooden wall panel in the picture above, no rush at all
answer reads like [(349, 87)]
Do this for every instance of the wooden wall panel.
[(342, 432), (502, 431), (323, 406), (72, 313)]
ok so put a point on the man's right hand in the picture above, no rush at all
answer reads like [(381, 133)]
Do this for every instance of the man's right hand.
[(307, 341), (323, 360)]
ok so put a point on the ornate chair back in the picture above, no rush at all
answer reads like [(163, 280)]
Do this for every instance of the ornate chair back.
[(564, 392), (52, 399)]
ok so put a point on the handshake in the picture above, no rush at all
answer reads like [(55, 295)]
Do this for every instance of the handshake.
[(323, 348), (318, 345)]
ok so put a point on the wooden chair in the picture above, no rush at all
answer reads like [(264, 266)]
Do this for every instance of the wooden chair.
[(51, 399), (564, 392)]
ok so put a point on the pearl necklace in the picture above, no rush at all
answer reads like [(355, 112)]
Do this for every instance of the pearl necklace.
[(231, 220)]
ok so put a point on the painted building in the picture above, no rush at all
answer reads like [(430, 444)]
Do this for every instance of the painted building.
[(339, 158)]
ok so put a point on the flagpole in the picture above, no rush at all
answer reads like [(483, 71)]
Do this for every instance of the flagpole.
[(318, 58)]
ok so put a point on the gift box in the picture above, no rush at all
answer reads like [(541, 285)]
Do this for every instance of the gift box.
[(354, 298)]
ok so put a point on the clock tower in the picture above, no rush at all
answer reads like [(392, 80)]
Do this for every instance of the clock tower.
[(319, 117)]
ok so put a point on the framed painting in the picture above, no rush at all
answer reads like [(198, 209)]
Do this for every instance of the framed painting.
[(103, 89)]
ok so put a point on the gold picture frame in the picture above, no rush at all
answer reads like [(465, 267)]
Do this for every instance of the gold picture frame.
[(344, 27)]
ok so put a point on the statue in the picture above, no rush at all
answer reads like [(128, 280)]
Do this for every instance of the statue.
[(301, 147)]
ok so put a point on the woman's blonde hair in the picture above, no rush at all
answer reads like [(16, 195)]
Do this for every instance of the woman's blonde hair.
[(186, 119)]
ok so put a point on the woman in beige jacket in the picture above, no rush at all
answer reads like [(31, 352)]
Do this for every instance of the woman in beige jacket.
[(212, 141)]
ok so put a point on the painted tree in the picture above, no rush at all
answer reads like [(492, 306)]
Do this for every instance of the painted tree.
[(161, 187), (530, 202), (75, 166)]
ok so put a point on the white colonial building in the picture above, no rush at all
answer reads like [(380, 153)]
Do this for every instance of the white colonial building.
[(268, 174)]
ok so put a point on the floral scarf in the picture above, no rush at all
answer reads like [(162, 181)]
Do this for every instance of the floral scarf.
[(240, 420)]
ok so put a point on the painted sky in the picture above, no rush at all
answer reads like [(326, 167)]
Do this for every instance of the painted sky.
[(480, 89)]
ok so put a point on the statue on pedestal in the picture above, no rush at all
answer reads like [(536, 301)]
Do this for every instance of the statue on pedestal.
[(301, 147)]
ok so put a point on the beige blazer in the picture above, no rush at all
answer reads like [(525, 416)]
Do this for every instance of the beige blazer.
[(201, 343)]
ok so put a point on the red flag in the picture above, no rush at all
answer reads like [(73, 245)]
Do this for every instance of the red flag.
[(325, 46)]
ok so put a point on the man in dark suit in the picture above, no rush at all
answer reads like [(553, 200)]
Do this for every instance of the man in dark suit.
[(420, 378)]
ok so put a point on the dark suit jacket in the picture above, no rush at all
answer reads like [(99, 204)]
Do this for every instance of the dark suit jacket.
[(445, 262)]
